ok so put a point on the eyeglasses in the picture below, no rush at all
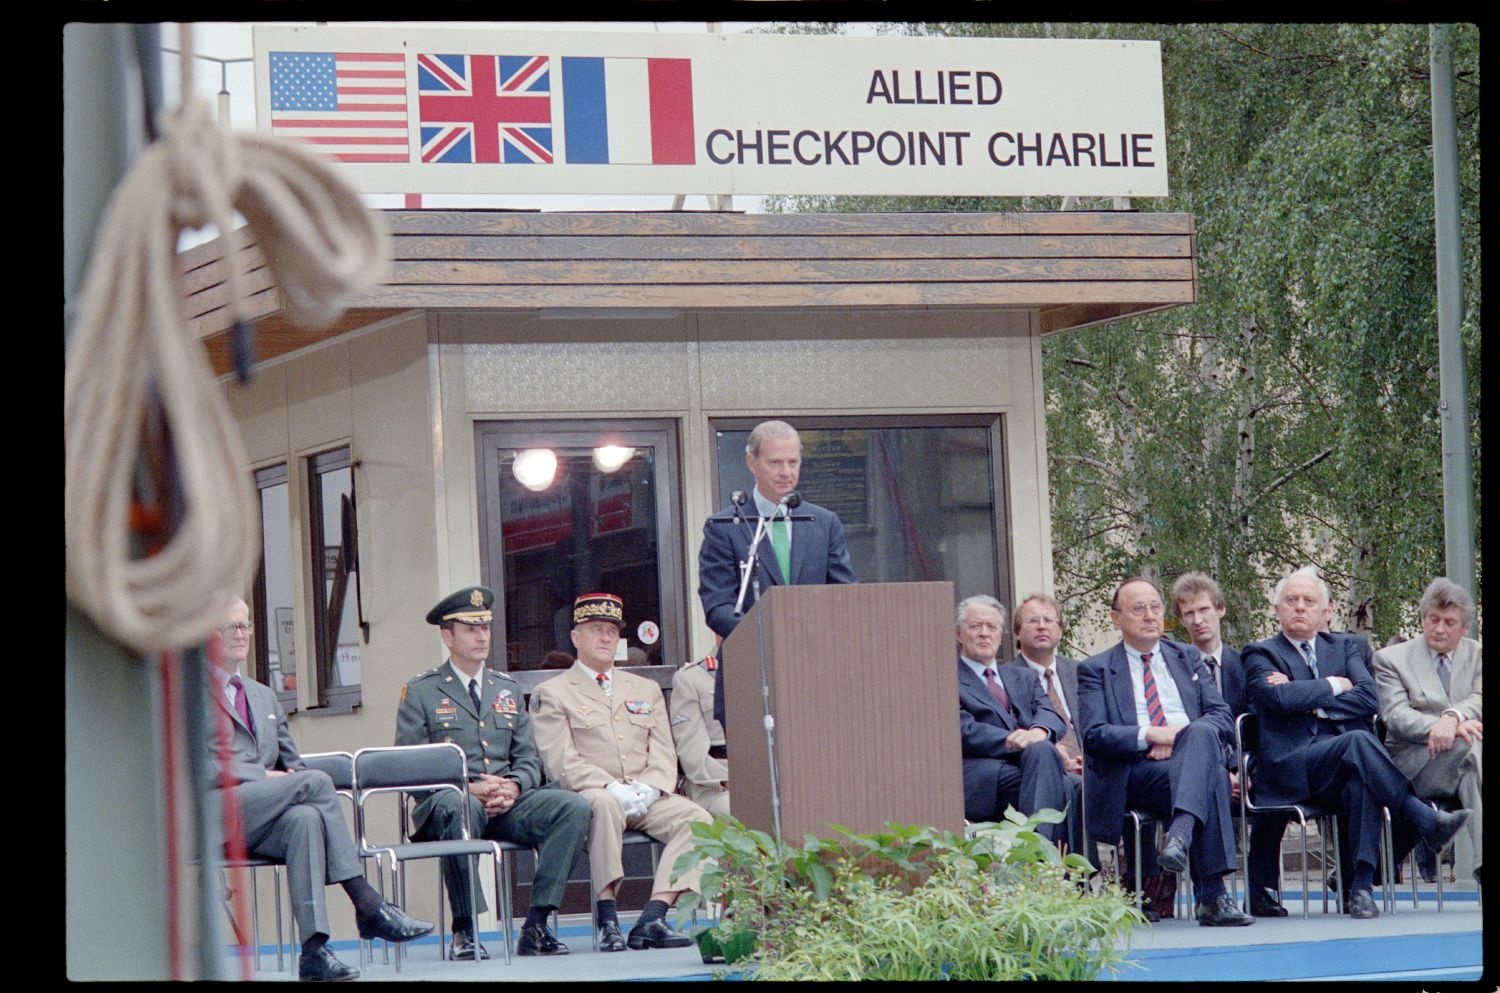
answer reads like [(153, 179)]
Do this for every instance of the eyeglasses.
[(229, 629), (1145, 609)]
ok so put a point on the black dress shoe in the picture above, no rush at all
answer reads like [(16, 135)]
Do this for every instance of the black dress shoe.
[(1263, 903), (1448, 823), (1222, 912), (1361, 905), (538, 939), (392, 923), (656, 934), (1150, 913), (463, 947), (610, 938), (1173, 855), (321, 967)]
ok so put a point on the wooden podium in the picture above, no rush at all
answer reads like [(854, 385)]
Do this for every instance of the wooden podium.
[(864, 690)]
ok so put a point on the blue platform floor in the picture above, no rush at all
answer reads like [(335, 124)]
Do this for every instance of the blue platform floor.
[(1414, 945)]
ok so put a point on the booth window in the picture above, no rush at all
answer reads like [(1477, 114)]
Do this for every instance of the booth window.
[(271, 609), (922, 497), (574, 507), (334, 553)]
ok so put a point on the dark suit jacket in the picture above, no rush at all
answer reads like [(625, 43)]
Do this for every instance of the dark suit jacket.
[(1232, 678), (247, 758), (983, 726), (1232, 671), (820, 554), (1287, 721), (1067, 678), (1108, 729)]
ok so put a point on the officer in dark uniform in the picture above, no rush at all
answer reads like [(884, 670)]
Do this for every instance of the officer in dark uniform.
[(481, 710)]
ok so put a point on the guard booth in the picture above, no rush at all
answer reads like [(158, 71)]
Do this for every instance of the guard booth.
[(638, 349), (551, 403)]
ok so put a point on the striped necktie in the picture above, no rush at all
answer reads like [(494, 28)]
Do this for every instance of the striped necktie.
[(1310, 658), (1148, 688), (996, 690)]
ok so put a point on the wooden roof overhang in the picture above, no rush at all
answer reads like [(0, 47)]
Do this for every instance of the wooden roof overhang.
[(1074, 267)]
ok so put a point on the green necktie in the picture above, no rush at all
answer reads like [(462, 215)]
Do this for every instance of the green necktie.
[(781, 541)]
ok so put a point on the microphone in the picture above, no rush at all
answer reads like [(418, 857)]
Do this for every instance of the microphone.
[(737, 499), (792, 500)]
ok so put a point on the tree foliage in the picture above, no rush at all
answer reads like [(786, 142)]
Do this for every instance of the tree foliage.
[(1290, 417)]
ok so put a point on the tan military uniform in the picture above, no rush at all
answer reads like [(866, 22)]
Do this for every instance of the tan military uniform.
[(589, 740), (695, 732)]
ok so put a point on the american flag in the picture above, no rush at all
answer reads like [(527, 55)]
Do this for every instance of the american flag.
[(352, 105), (485, 108)]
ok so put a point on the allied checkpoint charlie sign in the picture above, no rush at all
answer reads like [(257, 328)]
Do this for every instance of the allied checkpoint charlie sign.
[(448, 111)]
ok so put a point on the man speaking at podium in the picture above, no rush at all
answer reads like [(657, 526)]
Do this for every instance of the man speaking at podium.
[(809, 549)]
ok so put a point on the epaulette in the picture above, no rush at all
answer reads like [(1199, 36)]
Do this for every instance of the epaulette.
[(499, 672), (424, 675)]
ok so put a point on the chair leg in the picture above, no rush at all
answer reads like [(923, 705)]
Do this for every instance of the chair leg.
[(1139, 896), (1342, 903), (1387, 862), (506, 910), (276, 889), (255, 922), (474, 905), (1306, 900)]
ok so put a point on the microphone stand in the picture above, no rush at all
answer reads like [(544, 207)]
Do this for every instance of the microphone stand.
[(768, 720), (750, 577)]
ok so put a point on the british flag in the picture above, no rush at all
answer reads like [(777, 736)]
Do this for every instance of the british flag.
[(485, 108)]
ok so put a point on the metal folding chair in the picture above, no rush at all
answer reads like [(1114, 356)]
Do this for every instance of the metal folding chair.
[(416, 769), (1247, 743), (253, 863)]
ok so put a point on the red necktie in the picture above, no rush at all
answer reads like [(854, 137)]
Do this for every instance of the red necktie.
[(996, 690), (1148, 687), (242, 705)]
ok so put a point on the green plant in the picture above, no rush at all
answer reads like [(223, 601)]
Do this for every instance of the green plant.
[(908, 903)]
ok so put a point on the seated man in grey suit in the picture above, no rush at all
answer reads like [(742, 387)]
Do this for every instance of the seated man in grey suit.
[(1038, 628), (1154, 731), (1432, 699), (1006, 724), (287, 811)]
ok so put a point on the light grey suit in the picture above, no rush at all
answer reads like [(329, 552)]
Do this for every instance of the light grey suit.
[(295, 818), (1412, 700)]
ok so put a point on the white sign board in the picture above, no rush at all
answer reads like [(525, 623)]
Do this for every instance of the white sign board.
[(445, 111)]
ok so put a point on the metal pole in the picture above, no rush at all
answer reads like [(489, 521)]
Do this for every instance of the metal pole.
[(1453, 407), (116, 919)]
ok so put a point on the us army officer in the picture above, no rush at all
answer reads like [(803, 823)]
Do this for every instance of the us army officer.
[(479, 709)]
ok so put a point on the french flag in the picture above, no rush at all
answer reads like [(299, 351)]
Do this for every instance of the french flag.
[(628, 110)]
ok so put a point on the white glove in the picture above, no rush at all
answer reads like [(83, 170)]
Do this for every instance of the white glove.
[(629, 800), (647, 793)]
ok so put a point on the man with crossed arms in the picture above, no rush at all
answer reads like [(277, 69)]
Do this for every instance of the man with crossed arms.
[(1316, 700)]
